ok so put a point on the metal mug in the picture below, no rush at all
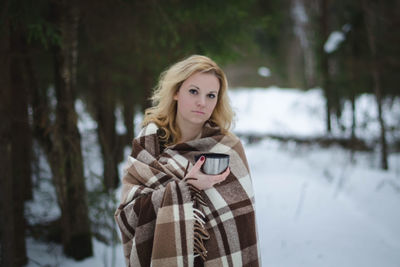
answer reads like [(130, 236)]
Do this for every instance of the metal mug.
[(215, 163)]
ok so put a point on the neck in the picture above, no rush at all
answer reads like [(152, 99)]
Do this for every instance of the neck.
[(189, 132)]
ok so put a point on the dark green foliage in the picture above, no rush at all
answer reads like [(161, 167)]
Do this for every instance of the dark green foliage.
[(353, 58), (273, 32)]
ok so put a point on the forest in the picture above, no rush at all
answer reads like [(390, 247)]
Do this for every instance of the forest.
[(108, 55)]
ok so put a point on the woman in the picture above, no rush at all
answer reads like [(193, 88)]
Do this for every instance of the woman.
[(171, 213)]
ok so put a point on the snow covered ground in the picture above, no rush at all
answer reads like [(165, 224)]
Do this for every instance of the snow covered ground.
[(315, 207), (292, 112)]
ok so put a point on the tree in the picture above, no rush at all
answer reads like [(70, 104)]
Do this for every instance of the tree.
[(370, 22), (12, 229), (15, 141), (324, 60), (60, 139), (67, 164)]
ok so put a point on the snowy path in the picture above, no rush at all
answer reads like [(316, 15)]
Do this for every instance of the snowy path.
[(303, 221)]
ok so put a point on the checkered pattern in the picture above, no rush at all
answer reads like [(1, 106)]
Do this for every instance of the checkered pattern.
[(156, 215)]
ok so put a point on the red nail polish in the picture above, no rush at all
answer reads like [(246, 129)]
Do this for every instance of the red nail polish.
[(202, 158)]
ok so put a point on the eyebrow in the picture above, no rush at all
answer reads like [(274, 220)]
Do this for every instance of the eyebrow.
[(194, 86), (199, 89)]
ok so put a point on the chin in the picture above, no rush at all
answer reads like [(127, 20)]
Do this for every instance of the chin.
[(198, 121)]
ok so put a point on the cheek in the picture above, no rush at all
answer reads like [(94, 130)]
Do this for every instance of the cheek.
[(184, 103), (212, 106)]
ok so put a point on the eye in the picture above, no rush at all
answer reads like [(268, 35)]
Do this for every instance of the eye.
[(212, 96), (193, 91)]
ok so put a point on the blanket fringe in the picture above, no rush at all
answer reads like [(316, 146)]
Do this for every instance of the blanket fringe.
[(200, 232)]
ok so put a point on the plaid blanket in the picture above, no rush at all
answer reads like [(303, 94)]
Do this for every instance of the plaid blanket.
[(166, 222)]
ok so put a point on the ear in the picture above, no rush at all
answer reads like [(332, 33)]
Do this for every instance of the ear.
[(176, 95)]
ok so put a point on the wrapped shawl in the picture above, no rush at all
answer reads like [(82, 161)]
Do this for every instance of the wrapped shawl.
[(166, 222)]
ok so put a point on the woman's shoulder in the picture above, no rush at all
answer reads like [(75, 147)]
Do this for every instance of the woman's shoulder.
[(237, 146), (232, 136), (230, 139), (148, 129)]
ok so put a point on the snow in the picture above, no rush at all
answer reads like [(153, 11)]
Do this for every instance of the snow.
[(316, 209), (314, 206), (277, 111), (293, 112), (299, 12), (264, 72), (334, 39)]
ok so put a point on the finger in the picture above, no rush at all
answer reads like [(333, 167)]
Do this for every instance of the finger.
[(198, 165), (190, 179), (220, 178), (226, 173)]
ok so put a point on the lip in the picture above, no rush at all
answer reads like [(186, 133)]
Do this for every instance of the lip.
[(199, 112)]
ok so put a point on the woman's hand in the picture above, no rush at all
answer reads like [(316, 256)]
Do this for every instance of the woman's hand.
[(201, 180)]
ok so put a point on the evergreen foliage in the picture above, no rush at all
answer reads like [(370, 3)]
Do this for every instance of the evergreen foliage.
[(121, 48)]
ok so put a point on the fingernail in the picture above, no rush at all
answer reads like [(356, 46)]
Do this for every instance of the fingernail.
[(202, 158)]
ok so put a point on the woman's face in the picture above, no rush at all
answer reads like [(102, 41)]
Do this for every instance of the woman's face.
[(196, 99)]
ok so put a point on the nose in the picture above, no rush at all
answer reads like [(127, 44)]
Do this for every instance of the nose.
[(201, 102)]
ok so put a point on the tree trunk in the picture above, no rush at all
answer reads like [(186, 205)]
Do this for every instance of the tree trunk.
[(325, 64), (22, 136), (353, 116), (21, 144), (66, 161), (8, 252), (12, 165), (109, 143), (7, 245), (370, 21), (353, 125), (146, 83), (353, 77), (129, 114)]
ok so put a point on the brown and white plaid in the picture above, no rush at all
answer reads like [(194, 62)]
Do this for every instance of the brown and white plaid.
[(161, 223)]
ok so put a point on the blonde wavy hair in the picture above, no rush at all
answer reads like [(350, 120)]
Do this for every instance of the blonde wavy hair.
[(163, 112)]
